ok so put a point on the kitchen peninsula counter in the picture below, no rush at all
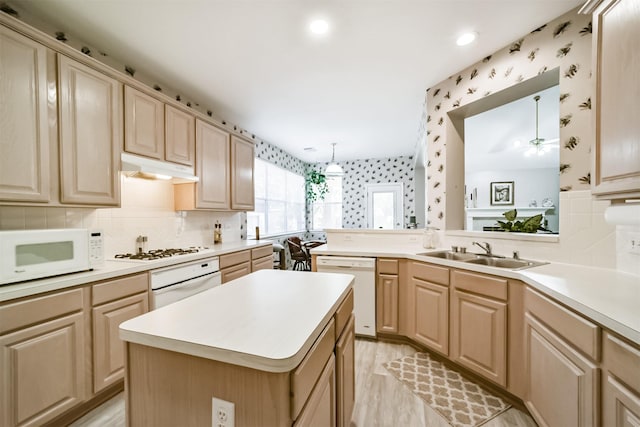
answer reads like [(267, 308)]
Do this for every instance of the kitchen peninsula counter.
[(607, 296), (254, 341), (112, 269)]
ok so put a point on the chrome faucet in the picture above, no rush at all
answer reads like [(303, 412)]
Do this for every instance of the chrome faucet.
[(486, 247)]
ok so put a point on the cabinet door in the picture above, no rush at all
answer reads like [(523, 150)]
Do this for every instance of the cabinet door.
[(242, 154), (431, 315), (617, 98), (90, 135), (620, 405), (212, 167), (180, 136), (387, 303), (143, 124), (108, 349), (320, 409), (346, 374), (264, 263), (43, 371), (235, 272), (24, 119), (479, 335), (562, 385)]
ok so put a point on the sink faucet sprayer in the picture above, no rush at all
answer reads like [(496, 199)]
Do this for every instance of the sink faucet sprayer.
[(486, 247)]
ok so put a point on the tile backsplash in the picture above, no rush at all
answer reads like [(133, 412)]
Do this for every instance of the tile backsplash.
[(147, 209)]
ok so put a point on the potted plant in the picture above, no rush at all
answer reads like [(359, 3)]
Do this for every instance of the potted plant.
[(527, 225), (316, 185)]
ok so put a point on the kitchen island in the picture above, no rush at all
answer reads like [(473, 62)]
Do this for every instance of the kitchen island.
[(276, 344)]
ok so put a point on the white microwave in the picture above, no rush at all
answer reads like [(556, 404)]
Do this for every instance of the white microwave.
[(34, 254)]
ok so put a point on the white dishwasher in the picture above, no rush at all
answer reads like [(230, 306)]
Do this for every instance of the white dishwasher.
[(364, 287)]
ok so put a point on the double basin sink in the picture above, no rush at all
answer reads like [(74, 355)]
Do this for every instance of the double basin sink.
[(482, 259)]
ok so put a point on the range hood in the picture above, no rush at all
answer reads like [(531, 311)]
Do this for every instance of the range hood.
[(143, 167)]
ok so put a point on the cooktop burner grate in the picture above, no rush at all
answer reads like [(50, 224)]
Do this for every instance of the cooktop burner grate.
[(158, 254)]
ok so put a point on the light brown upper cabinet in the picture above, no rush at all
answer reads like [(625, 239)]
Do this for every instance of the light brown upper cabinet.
[(180, 137), (616, 69), (143, 124), (90, 134), (242, 168), (24, 119), (156, 130), (213, 169)]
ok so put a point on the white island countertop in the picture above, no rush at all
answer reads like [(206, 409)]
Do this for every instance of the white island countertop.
[(267, 320)]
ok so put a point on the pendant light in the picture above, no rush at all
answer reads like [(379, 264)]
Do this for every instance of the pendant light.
[(333, 169), (537, 146)]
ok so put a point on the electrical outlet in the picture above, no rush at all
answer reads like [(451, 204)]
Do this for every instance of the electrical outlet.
[(633, 243), (222, 413)]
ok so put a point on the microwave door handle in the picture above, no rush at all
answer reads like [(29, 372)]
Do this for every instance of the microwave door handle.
[(191, 282)]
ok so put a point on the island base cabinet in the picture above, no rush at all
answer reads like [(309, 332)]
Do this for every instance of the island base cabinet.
[(562, 385), (620, 383), (345, 375), (166, 388), (620, 406), (320, 409)]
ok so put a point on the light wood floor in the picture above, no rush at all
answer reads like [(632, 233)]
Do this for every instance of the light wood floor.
[(381, 400)]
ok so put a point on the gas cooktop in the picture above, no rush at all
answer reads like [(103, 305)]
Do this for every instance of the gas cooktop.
[(156, 254)]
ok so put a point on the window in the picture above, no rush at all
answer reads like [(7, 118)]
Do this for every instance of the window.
[(279, 198), (327, 213)]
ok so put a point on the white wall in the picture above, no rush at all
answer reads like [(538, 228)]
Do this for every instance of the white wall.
[(147, 209), (529, 184)]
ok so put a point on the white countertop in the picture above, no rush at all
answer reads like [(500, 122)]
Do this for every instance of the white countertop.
[(113, 269), (608, 297), (267, 320)]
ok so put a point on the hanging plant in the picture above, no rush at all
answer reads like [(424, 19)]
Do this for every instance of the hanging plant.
[(316, 185), (527, 225)]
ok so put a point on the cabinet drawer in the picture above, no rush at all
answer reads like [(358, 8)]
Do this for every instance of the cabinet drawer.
[(261, 252), (264, 263), (622, 360), (307, 373), (387, 266), (119, 288), (583, 334), (234, 258), (430, 273), (34, 310), (344, 313), (320, 410), (480, 284), (235, 272)]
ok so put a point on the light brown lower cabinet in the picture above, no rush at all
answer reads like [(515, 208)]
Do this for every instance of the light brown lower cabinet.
[(431, 315), (562, 384), (620, 383), (108, 349), (42, 358), (320, 409), (235, 265), (345, 374), (479, 324), (387, 303)]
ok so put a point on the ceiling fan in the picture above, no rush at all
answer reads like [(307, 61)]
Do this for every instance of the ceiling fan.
[(537, 146)]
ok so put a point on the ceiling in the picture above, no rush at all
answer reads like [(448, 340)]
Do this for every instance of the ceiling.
[(255, 64), (489, 137)]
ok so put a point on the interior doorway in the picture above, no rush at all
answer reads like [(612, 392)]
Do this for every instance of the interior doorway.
[(385, 206)]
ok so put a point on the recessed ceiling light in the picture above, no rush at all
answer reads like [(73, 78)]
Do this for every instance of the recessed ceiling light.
[(310, 149), (319, 26), (466, 38)]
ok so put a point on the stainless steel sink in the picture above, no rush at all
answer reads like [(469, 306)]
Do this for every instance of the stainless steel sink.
[(456, 256), (491, 261), (513, 264)]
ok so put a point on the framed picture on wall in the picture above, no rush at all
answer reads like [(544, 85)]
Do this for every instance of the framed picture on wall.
[(501, 193)]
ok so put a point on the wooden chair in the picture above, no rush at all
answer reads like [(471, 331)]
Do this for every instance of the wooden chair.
[(298, 254)]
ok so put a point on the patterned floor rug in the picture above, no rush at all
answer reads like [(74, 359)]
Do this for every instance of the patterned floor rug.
[(461, 402)]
